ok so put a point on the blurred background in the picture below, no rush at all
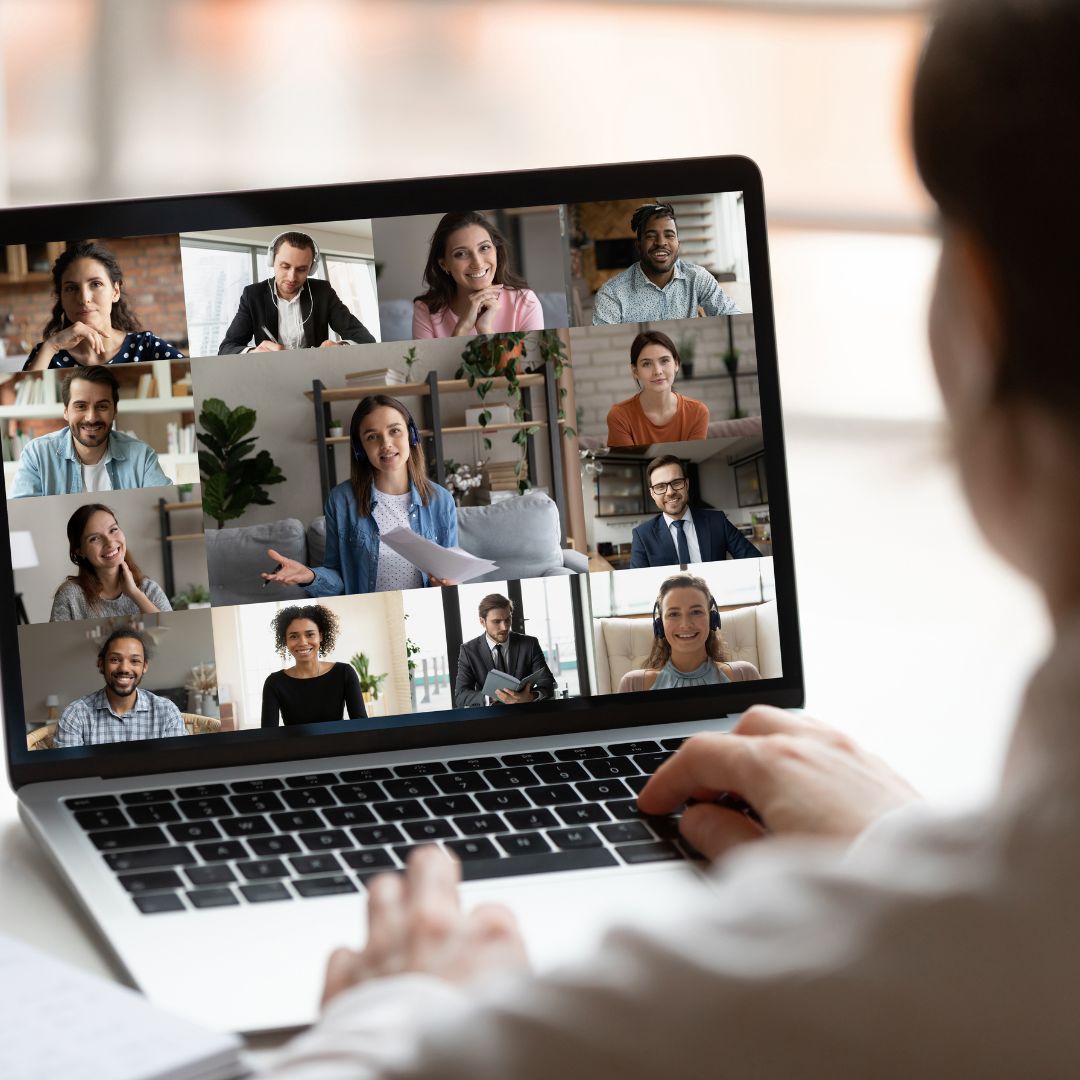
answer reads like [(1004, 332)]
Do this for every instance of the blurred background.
[(106, 98)]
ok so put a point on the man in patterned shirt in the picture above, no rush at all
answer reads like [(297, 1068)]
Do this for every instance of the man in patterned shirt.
[(120, 712), (659, 285)]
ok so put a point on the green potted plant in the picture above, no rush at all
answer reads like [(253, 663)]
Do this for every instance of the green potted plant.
[(185, 492), (369, 684), (194, 596), (232, 479)]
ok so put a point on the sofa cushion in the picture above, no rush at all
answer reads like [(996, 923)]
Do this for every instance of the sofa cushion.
[(236, 557), (520, 534)]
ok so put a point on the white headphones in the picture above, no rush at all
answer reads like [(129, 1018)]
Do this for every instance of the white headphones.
[(314, 247)]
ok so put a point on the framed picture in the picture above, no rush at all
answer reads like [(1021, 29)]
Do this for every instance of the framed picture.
[(751, 487)]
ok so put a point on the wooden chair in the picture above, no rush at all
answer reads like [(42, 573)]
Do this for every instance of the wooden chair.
[(42, 738), (197, 724)]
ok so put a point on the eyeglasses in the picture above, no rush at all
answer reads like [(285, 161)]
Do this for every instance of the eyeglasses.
[(675, 485)]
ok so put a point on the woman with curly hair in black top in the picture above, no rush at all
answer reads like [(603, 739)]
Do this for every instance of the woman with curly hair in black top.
[(314, 690)]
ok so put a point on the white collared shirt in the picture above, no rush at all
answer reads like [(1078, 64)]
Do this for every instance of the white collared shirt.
[(491, 643), (689, 530), (291, 319)]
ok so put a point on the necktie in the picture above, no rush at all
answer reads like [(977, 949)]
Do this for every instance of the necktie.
[(681, 545), (499, 665)]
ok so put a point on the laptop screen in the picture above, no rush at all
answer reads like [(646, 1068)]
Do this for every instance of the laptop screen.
[(279, 483)]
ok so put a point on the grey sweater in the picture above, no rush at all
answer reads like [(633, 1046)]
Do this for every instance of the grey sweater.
[(70, 603)]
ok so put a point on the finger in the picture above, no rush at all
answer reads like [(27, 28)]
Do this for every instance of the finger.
[(386, 923), (341, 973), (431, 892), (769, 720), (703, 767), (495, 927), (712, 830)]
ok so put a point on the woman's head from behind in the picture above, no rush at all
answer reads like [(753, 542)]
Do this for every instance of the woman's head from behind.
[(384, 439), (995, 115), (686, 623), (89, 288)]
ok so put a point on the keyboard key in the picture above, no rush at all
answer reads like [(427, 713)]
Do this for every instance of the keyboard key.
[(507, 799), (256, 825), (261, 869), (151, 881), (413, 787), (190, 831), (420, 768), (553, 795), (529, 757), (601, 790), (467, 850), (91, 802), (531, 819), (209, 898), (326, 840), (153, 857), (657, 851), (118, 839), (222, 851), (362, 776), (202, 791), (473, 764), (480, 824), (545, 862), (649, 763), (369, 860), (312, 780), (572, 839), (294, 821), (157, 902), (449, 805), (525, 843), (675, 743), (273, 845), (361, 792), (205, 808), (308, 797), (637, 783), (326, 863), (625, 749), (430, 830), (263, 891), (625, 832), (611, 766), (259, 802), (377, 835), (243, 787), (139, 798), (403, 851), (153, 814), (451, 783), (582, 813), (403, 810), (580, 753), (562, 772), (106, 818), (510, 778), (349, 815), (218, 874), (324, 886), (624, 809)]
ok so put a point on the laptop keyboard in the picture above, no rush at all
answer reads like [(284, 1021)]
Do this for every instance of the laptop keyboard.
[(325, 833)]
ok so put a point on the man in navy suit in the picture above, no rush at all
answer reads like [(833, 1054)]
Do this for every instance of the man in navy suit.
[(679, 535)]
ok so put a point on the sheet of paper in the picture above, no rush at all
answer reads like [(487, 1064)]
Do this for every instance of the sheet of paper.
[(450, 564), (56, 1020)]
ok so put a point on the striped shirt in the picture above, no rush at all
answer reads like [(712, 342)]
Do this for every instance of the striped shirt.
[(630, 297), (90, 720)]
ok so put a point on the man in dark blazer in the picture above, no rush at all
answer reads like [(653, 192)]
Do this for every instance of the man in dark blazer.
[(680, 535), (291, 310), (516, 654)]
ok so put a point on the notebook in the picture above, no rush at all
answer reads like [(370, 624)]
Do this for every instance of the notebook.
[(228, 702)]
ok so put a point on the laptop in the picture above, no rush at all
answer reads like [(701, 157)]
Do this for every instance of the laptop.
[(288, 473)]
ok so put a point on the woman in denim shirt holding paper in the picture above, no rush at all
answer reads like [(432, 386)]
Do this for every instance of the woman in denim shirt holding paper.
[(388, 488)]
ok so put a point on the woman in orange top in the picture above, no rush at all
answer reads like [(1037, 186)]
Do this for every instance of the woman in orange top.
[(656, 414)]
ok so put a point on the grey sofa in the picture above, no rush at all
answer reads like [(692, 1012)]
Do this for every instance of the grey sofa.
[(519, 534)]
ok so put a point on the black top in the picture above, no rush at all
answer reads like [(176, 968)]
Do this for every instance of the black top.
[(312, 701), (144, 345)]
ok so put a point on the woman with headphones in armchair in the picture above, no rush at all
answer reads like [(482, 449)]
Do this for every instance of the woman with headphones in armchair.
[(388, 488), (688, 649)]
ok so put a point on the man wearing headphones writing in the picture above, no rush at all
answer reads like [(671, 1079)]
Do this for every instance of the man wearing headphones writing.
[(291, 310)]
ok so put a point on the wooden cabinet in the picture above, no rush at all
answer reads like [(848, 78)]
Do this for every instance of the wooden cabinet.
[(620, 489), (28, 262)]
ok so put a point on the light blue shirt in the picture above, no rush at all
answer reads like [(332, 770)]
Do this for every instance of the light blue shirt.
[(49, 465), (630, 297)]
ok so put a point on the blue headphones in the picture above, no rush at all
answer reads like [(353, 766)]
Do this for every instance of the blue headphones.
[(410, 426), (658, 622)]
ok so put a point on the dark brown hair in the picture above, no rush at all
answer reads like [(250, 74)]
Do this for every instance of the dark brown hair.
[(441, 287), (93, 374), (660, 462), (86, 577), (653, 337), (323, 618), (644, 214), (661, 650), (123, 632), (121, 316), (362, 472), (493, 602), (995, 116), (293, 239)]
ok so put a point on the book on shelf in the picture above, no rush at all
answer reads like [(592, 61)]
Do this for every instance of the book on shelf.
[(385, 376)]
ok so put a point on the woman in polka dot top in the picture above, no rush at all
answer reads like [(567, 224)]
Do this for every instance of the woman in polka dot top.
[(91, 322)]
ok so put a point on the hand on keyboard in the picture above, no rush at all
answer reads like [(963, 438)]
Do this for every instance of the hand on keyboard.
[(415, 924), (797, 774)]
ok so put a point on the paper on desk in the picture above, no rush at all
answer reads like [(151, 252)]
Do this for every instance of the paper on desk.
[(450, 564), (58, 1021)]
